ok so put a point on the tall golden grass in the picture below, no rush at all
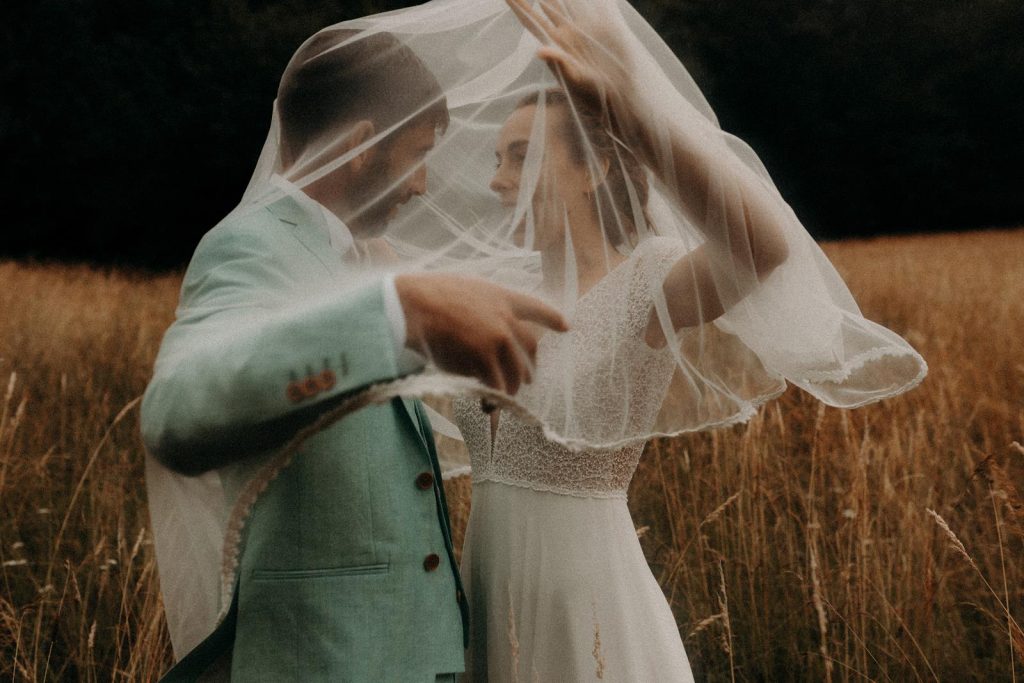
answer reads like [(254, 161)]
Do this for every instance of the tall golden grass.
[(811, 544)]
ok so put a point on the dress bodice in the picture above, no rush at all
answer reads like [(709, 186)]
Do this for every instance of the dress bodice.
[(523, 456), (616, 377)]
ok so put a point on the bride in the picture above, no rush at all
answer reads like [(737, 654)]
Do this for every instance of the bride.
[(559, 588), (558, 585)]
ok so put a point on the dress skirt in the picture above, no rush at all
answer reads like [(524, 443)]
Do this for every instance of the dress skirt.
[(559, 590)]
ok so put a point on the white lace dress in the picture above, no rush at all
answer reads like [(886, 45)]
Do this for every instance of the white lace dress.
[(559, 588)]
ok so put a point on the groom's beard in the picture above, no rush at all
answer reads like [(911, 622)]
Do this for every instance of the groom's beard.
[(374, 218)]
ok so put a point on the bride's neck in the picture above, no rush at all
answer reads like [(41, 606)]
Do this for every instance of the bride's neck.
[(593, 256)]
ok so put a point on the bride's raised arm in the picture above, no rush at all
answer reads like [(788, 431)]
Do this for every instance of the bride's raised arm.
[(737, 213)]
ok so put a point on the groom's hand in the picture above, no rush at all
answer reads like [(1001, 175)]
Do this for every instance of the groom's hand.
[(469, 326)]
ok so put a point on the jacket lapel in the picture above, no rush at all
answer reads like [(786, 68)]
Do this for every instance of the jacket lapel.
[(314, 237), (307, 230), (409, 408)]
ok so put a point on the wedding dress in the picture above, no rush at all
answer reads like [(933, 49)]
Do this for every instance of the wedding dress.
[(559, 587)]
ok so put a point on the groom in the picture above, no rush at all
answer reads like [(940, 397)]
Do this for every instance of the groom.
[(347, 571)]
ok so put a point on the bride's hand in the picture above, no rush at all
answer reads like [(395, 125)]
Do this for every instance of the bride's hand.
[(593, 65)]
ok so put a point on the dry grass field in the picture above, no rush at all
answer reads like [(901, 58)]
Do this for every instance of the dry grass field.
[(881, 544)]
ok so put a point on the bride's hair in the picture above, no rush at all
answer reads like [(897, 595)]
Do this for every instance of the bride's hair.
[(340, 77), (624, 169)]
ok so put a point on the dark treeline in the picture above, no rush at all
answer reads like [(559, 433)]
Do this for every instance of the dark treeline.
[(129, 128)]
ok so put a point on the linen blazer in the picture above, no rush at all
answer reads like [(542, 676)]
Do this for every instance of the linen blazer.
[(347, 571)]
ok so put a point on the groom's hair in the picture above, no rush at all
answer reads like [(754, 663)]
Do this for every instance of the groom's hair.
[(342, 76)]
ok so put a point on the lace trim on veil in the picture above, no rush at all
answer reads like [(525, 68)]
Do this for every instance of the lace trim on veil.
[(844, 373)]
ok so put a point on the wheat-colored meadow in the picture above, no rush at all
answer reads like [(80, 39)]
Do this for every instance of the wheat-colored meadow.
[(811, 544)]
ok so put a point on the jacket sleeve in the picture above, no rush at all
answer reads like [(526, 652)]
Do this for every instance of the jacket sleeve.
[(252, 357)]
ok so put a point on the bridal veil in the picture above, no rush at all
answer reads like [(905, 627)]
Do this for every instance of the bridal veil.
[(547, 189)]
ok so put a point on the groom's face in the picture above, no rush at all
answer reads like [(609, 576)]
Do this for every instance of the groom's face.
[(394, 173)]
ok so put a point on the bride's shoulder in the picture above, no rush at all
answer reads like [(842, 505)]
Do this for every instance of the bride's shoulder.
[(656, 245), (658, 251)]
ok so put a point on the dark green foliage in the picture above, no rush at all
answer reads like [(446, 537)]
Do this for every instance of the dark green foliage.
[(129, 128), (872, 115)]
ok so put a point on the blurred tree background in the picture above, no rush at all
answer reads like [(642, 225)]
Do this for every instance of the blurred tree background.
[(130, 127)]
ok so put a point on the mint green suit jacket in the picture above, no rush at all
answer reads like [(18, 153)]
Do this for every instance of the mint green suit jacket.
[(347, 571)]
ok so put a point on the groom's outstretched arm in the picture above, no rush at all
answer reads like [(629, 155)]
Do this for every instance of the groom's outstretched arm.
[(246, 365), (249, 360)]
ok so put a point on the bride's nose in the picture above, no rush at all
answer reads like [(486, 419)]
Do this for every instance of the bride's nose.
[(502, 181)]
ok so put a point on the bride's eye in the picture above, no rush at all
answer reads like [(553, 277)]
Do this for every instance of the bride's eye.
[(515, 160)]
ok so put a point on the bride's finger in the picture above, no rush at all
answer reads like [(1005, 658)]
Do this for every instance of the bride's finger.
[(539, 26), (556, 15), (555, 55), (563, 64)]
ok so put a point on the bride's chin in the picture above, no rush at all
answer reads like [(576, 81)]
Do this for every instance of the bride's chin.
[(518, 233)]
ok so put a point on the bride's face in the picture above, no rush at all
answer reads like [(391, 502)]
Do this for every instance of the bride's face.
[(562, 184)]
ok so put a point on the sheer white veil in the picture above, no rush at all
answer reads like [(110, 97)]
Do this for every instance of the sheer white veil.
[(624, 205)]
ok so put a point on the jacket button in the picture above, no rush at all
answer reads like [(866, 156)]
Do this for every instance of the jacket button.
[(425, 481), (458, 596), (431, 562), (295, 392), (327, 380), (311, 385)]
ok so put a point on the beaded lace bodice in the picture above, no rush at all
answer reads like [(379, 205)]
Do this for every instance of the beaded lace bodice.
[(522, 456), (624, 379)]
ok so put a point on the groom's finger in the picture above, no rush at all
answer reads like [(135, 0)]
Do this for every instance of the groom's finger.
[(527, 308), (527, 335), (493, 374), (513, 367), (524, 346)]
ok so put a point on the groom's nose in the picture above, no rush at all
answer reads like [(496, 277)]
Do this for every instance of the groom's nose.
[(418, 181)]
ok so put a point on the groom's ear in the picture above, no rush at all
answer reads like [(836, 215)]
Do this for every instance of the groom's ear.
[(596, 176), (362, 132)]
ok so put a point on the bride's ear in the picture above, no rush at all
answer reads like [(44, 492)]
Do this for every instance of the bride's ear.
[(362, 132)]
